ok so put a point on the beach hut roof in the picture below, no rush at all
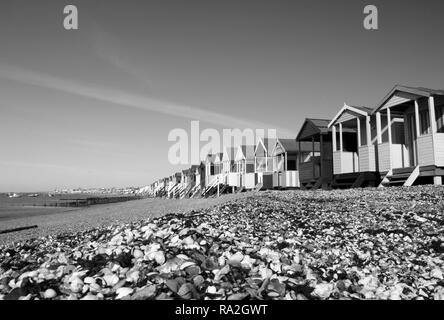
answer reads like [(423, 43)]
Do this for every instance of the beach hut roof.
[(210, 158), (245, 152), (289, 145), (353, 111), (313, 127), (266, 144), (400, 94), (218, 157), (292, 146), (229, 154)]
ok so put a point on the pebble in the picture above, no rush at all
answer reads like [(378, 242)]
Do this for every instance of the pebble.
[(352, 244), (138, 254), (123, 292), (49, 294)]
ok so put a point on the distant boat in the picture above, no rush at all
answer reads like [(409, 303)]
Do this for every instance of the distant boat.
[(33, 195), (13, 195), (50, 195)]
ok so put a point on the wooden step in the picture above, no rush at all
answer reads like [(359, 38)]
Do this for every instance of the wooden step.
[(343, 184), (398, 171), (393, 182), (400, 176)]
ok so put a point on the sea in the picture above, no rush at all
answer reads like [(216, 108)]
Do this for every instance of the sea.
[(44, 204)]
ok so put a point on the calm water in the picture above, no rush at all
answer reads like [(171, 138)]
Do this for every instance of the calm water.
[(13, 208), (10, 213)]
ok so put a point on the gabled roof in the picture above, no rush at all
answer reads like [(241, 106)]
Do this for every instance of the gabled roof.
[(291, 146), (408, 93), (355, 110), (218, 157), (199, 166), (313, 127), (244, 152), (229, 154), (189, 171), (210, 158), (266, 143)]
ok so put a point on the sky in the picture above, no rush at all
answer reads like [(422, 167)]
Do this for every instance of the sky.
[(93, 107)]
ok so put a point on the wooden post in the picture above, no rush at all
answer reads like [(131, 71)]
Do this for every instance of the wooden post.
[(418, 133), (369, 131), (358, 122), (300, 151), (321, 143), (334, 138), (378, 127), (285, 161), (341, 146), (389, 126), (312, 160), (432, 114)]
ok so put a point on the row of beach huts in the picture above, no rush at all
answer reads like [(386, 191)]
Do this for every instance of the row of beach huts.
[(398, 142)]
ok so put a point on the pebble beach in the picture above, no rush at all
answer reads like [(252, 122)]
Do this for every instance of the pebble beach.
[(287, 245)]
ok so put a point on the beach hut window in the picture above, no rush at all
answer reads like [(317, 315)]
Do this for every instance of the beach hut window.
[(291, 165), (424, 122), (350, 142)]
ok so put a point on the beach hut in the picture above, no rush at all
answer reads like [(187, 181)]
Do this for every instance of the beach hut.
[(156, 187), (229, 168), (176, 185), (244, 164), (354, 148), (410, 136), (218, 167), (263, 162), (211, 175), (162, 192), (287, 155), (200, 174), (316, 170), (228, 160), (188, 181), (199, 178), (170, 184), (210, 172)]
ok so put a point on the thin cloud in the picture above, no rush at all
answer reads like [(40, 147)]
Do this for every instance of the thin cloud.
[(133, 100), (112, 51)]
